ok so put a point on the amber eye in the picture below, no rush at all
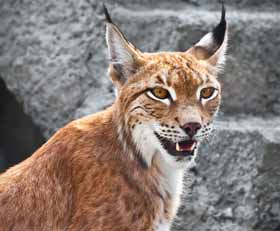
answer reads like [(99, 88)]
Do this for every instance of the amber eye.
[(206, 93), (160, 93)]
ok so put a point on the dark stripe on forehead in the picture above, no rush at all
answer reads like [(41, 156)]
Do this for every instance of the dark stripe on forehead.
[(190, 66), (158, 78)]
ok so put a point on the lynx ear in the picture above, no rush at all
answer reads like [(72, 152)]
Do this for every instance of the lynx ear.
[(212, 47), (124, 57)]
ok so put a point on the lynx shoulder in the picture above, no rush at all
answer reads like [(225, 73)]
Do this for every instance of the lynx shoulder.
[(122, 168)]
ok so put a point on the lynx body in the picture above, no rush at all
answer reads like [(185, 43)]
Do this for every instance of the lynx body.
[(122, 169)]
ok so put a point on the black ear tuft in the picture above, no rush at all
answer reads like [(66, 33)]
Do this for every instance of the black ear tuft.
[(220, 29), (212, 47), (107, 15)]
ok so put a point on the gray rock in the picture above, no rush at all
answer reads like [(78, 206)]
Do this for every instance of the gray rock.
[(45, 47), (53, 59), (237, 183), (258, 5)]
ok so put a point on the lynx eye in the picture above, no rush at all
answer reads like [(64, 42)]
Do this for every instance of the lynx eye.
[(207, 92), (160, 93)]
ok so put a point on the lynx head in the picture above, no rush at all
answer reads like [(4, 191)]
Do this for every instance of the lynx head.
[(166, 101)]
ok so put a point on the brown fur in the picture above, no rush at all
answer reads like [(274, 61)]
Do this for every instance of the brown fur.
[(82, 179), (91, 175), (78, 169)]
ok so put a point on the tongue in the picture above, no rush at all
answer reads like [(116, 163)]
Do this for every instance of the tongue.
[(188, 145)]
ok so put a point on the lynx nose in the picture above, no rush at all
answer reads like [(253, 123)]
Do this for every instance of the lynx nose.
[(191, 128)]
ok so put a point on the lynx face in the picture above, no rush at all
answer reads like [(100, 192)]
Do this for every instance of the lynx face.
[(168, 100)]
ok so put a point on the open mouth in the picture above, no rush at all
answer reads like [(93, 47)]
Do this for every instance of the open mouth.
[(181, 149)]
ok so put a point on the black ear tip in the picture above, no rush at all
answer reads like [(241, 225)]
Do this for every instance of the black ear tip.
[(107, 15), (220, 30), (223, 16)]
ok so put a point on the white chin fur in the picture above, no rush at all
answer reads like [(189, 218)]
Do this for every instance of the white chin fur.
[(148, 145), (171, 180), (144, 140)]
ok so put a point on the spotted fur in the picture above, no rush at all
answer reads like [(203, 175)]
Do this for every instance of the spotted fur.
[(109, 170)]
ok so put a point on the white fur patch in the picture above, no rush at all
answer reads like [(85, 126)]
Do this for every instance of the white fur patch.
[(119, 49), (206, 41), (171, 180), (172, 93), (163, 226), (220, 55), (145, 141)]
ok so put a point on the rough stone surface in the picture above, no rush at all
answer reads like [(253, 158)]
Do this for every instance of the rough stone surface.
[(53, 59), (236, 187), (257, 5), (45, 47)]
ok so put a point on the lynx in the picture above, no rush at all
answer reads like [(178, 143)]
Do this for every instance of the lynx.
[(122, 169)]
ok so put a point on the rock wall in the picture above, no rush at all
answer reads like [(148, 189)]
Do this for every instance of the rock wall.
[(53, 59), (236, 187)]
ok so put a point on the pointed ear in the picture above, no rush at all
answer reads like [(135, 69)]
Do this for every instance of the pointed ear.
[(124, 57), (212, 47)]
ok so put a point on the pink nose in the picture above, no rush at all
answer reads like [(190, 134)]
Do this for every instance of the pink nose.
[(191, 128)]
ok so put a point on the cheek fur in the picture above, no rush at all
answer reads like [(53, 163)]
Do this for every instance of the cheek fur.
[(141, 111), (212, 106)]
